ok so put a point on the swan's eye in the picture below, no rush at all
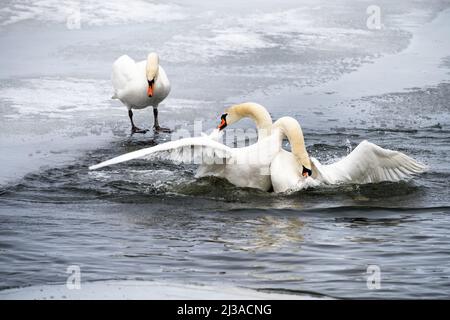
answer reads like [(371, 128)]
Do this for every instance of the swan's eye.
[(223, 121), (306, 172)]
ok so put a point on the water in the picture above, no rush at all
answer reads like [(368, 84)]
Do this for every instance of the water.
[(153, 220)]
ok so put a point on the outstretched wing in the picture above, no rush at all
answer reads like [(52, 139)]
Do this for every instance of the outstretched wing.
[(191, 150), (369, 163)]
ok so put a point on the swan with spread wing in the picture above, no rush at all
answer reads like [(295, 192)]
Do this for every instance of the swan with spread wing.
[(367, 163), (244, 167)]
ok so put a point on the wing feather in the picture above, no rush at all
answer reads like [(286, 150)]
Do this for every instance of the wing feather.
[(205, 150), (369, 163), (123, 71)]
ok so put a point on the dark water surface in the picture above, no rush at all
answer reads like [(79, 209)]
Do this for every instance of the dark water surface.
[(153, 220)]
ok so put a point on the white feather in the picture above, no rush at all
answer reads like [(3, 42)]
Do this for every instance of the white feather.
[(130, 84), (244, 167), (367, 163), (173, 149)]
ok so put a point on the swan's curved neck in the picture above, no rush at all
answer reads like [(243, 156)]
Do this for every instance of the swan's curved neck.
[(290, 128), (152, 66), (258, 114)]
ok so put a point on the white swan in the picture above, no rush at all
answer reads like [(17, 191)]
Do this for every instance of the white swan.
[(367, 163), (139, 85), (244, 167)]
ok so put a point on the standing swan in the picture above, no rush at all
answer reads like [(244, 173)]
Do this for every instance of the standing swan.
[(139, 85), (367, 163)]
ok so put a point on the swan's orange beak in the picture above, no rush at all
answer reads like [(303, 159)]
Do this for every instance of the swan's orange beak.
[(222, 124), (150, 89)]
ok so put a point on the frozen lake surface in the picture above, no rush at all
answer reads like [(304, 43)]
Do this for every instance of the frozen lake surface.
[(154, 221)]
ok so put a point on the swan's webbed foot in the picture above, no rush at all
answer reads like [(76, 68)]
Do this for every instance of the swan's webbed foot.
[(135, 129), (161, 129), (138, 130), (156, 127)]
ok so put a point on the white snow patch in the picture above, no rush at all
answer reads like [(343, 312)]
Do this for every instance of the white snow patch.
[(56, 97), (91, 12), (140, 290)]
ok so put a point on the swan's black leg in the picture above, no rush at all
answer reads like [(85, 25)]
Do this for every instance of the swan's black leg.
[(156, 126), (135, 129)]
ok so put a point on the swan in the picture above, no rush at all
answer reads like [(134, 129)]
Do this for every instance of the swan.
[(367, 163), (139, 85), (244, 167)]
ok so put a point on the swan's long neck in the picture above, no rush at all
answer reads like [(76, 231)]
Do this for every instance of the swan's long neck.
[(152, 66), (290, 128), (258, 114)]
